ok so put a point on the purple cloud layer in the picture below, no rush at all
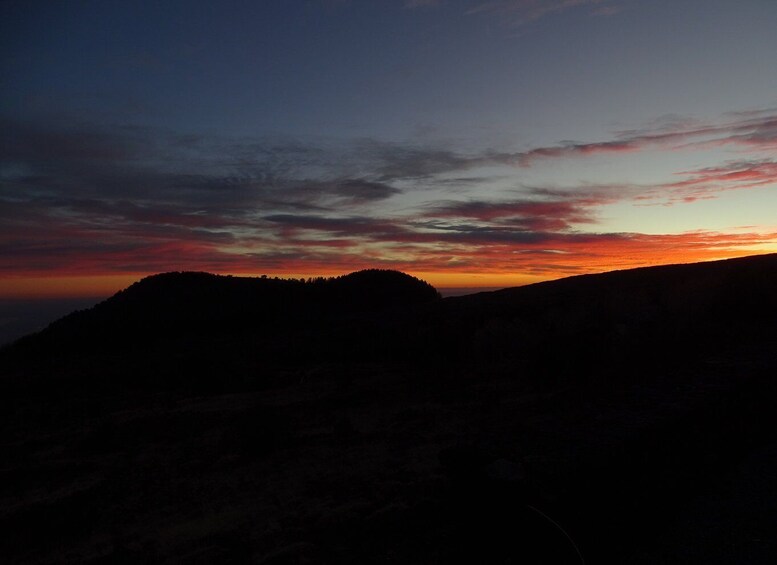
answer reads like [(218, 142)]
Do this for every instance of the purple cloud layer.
[(81, 199)]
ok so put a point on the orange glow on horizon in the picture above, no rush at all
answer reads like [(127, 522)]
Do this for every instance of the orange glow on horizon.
[(66, 285), (84, 286)]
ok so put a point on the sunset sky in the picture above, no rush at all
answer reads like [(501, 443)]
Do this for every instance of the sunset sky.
[(468, 142)]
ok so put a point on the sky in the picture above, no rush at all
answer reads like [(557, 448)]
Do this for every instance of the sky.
[(472, 143)]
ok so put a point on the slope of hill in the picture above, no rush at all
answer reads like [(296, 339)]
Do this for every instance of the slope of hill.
[(202, 302), (174, 328), (625, 418)]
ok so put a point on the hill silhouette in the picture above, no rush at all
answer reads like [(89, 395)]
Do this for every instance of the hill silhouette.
[(184, 301), (626, 417), (167, 311)]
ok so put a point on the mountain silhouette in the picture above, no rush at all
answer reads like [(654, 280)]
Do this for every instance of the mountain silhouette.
[(625, 417), (173, 307), (203, 299)]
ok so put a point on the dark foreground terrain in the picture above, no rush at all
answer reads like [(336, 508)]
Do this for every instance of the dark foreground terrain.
[(620, 418)]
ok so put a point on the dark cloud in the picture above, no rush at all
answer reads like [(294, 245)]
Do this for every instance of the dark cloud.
[(75, 198), (759, 133), (416, 231), (557, 214), (358, 190), (473, 234), (356, 226), (161, 166), (250, 174), (83, 175), (397, 161), (393, 162), (346, 191)]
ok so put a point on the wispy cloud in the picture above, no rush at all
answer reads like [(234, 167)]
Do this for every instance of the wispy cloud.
[(79, 199), (754, 133), (707, 182), (159, 168), (557, 214)]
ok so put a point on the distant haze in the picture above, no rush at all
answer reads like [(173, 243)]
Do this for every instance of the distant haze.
[(21, 317)]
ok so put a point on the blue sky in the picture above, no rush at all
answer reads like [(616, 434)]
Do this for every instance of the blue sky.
[(470, 142)]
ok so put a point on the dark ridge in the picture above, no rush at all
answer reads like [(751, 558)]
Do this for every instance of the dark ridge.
[(626, 417), (177, 304), (380, 287), (388, 316), (175, 329), (727, 304), (196, 296)]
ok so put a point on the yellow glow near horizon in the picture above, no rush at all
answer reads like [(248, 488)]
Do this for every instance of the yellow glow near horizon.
[(30, 287), (477, 280), (103, 286)]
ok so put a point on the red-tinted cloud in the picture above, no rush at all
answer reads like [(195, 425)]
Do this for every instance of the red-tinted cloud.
[(552, 256), (294, 209), (707, 182), (556, 214), (755, 133)]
